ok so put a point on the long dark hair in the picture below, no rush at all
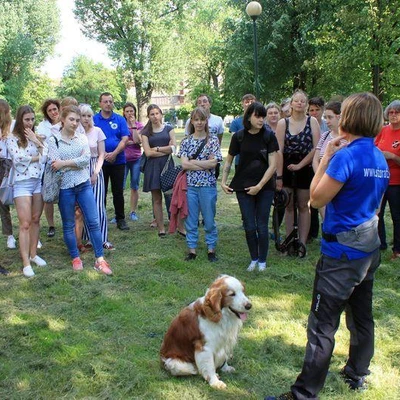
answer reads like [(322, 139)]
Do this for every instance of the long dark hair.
[(19, 130), (148, 128), (5, 118)]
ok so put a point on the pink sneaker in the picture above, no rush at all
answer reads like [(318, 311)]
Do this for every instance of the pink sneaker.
[(102, 267), (77, 264)]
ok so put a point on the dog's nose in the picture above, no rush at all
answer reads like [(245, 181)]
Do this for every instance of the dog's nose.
[(248, 306)]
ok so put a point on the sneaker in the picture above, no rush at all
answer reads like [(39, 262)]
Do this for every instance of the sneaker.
[(11, 242), (4, 271), (133, 216), (102, 267), (38, 261), (353, 383), (212, 257), (283, 396), (121, 224), (252, 266), (39, 244), (395, 256), (28, 271), (262, 266), (113, 221), (77, 264), (51, 232), (108, 246), (190, 256)]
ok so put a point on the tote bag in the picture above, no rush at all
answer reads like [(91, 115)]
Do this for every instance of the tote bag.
[(169, 174)]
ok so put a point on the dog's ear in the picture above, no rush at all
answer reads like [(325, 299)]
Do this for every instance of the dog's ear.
[(212, 304)]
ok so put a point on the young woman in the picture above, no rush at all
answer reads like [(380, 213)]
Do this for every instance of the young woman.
[(69, 153), (158, 142), (96, 138), (5, 164), (273, 115), (344, 276), (133, 151), (332, 116), (297, 136), (199, 163), (28, 154), (257, 146), (51, 114), (388, 141)]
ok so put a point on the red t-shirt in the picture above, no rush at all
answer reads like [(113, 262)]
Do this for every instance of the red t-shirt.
[(389, 140)]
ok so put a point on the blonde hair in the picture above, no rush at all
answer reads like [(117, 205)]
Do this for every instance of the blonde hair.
[(68, 101), (362, 115), (86, 109)]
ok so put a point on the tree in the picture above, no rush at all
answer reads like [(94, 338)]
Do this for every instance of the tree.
[(28, 33), (140, 36), (85, 80)]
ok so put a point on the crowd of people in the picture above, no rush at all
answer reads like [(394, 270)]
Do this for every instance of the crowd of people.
[(339, 159)]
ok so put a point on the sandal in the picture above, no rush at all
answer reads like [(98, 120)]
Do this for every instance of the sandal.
[(82, 248)]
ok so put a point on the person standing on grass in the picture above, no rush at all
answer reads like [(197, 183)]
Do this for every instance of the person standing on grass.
[(253, 180), (388, 141), (200, 153), (69, 153), (116, 130), (51, 114), (273, 115), (28, 153), (350, 181), (215, 123), (133, 152)]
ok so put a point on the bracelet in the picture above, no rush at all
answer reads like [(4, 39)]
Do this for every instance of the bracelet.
[(279, 178), (158, 149)]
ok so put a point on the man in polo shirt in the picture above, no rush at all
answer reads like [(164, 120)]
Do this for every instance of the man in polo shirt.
[(116, 130), (215, 123)]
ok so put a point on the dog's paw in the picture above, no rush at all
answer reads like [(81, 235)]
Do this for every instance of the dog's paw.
[(227, 368), (217, 384)]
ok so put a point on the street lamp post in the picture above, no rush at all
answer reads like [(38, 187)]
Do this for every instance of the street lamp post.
[(253, 10)]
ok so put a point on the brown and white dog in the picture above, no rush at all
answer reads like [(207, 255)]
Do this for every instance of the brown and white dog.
[(202, 337)]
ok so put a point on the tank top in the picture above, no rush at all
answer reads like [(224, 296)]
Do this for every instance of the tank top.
[(301, 143)]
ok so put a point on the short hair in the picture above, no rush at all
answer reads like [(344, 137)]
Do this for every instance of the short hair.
[(249, 96), (70, 109), (105, 94), (129, 104), (86, 109), (259, 111), (204, 95), (46, 104), (394, 105), (272, 105), (362, 115), (198, 111), (334, 106), (316, 101), (69, 101)]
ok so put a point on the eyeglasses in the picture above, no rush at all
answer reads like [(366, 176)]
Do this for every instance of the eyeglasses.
[(394, 112)]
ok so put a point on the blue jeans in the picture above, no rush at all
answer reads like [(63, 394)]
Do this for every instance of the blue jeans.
[(391, 196), (255, 215), (134, 168), (83, 195), (204, 200)]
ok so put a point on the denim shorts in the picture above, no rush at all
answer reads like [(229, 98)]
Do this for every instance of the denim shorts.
[(27, 187)]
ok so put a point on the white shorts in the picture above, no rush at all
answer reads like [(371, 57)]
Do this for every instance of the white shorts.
[(27, 187)]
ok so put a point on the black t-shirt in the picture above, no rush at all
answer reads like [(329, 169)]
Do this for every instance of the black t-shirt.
[(253, 150)]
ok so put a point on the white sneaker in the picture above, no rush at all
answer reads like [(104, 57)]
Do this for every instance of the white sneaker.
[(262, 266), (38, 261), (11, 242), (39, 244), (252, 266), (28, 271)]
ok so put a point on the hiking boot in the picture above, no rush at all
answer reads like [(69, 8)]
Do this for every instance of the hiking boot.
[(354, 383), (121, 224), (283, 396)]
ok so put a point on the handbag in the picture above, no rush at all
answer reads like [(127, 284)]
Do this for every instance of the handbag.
[(51, 184), (6, 188), (169, 174), (143, 162)]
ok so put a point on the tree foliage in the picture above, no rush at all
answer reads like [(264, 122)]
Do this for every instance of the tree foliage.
[(28, 33), (85, 80)]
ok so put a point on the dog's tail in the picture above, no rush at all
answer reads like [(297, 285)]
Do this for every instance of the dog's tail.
[(178, 367)]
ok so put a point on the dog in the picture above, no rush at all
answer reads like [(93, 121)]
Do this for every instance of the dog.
[(202, 337)]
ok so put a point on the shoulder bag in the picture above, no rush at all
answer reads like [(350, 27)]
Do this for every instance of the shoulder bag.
[(51, 182)]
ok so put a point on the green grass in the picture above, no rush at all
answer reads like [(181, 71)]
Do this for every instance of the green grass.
[(86, 336)]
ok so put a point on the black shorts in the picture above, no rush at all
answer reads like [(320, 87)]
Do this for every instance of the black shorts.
[(300, 179)]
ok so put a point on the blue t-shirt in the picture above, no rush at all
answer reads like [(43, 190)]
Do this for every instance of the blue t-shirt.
[(236, 126), (365, 174), (115, 128)]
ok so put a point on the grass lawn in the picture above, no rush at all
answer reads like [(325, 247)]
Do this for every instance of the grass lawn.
[(67, 335)]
